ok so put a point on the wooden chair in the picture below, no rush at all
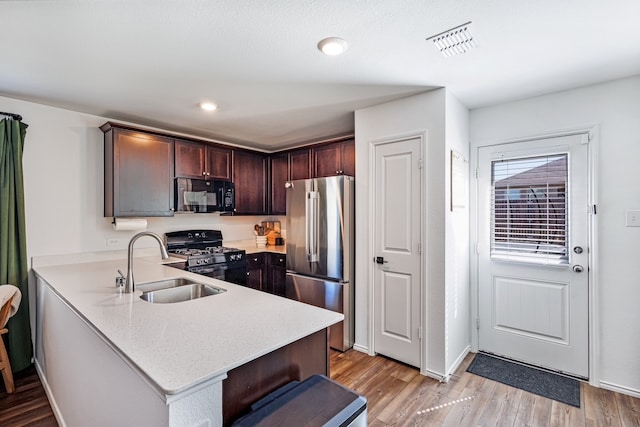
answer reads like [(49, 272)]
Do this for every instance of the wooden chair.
[(5, 367)]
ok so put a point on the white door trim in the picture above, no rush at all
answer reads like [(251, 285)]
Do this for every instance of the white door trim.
[(422, 135), (594, 313)]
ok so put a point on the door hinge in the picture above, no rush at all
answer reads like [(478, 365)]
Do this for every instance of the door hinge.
[(419, 248), (477, 173), (594, 210), (477, 248), (419, 163), (477, 323), (420, 332)]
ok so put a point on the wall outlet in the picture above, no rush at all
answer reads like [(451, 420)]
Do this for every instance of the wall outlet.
[(633, 218), (113, 242)]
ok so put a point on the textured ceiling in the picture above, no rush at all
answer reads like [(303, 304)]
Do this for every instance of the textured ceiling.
[(152, 62)]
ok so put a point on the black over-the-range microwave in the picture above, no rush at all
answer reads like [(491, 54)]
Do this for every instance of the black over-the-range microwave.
[(199, 195)]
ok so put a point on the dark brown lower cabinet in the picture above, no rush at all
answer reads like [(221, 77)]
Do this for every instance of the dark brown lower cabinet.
[(267, 272), (250, 382), (256, 271), (276, 273)]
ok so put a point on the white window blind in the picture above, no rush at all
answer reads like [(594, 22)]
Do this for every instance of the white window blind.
[(529, 218)]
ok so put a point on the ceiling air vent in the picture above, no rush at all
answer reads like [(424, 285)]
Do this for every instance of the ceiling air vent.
[(454, 41)]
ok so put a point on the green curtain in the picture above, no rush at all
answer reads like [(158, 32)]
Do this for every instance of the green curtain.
[(13, 239)]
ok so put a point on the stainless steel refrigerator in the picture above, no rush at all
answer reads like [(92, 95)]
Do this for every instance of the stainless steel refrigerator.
[(320, 249)]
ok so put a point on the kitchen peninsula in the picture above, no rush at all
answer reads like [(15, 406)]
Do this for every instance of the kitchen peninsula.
[(110, 358)]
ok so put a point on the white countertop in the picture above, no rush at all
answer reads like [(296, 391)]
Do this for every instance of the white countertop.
[(250, 247), (180, 345)]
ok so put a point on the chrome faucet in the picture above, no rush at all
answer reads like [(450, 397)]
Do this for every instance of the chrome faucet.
[(129, 285)]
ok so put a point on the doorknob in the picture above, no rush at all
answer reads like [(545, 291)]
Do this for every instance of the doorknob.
[(380, 260), (578, 268), (577, 249)]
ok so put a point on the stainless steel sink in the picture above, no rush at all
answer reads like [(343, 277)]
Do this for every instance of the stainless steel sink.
[(176, 290), (165, 284)]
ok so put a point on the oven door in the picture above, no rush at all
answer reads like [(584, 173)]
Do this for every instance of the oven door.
[(236, 273), (232, 273)]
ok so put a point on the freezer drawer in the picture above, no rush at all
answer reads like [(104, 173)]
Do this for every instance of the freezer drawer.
[(334, 296)]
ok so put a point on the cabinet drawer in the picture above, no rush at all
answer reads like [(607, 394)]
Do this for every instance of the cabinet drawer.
[(278, 260), (255, 260)]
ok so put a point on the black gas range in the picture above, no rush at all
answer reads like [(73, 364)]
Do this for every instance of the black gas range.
[(205, 254)]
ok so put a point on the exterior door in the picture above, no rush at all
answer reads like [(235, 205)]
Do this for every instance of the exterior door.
[(533, 266), (397, 274)]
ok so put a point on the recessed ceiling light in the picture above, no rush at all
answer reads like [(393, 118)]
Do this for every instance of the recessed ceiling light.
[(454, 41), (332, 46), (208, 106)]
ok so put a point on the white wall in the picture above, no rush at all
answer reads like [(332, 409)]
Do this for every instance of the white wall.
[(614, 108), (63, 175), (423, 113), (458, 303)]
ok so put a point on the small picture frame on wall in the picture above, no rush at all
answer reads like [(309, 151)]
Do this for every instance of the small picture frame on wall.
[(459, 181)]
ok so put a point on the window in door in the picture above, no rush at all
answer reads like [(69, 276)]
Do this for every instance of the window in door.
[(529, 218)]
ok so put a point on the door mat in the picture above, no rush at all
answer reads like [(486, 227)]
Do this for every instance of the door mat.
[(542, 383)]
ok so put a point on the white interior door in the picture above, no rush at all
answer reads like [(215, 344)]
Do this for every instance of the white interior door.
[(397, 250), (533, 252)]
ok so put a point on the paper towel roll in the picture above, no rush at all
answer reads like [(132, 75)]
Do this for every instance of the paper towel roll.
[(121, 224)]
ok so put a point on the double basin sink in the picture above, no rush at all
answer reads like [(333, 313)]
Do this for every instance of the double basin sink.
[(176, 290)]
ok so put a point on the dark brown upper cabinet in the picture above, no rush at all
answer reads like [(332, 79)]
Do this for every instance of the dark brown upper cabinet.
[(138, 173), (197, 160), (337, 158), (287, 166), (279, 177), (250, 180), (300, 164), (140, 166)]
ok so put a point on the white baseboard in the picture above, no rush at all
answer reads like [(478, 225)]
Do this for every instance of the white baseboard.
[(361, 348), (620, 389), (458, 362), (443, 378), (435, 375), (49, 393)]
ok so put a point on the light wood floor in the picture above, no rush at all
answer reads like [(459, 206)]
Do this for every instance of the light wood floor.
[(398, 395)]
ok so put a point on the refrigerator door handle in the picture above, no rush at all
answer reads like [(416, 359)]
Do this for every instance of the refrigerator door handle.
[(311, 232)]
